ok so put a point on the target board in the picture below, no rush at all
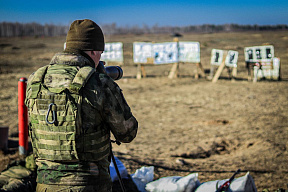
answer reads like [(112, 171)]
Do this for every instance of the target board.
[(267, 71), (189, 52), (216, 56), (263, 62), (230, 59), (164, 53), (167, 52), (259, 53), (113, 52)]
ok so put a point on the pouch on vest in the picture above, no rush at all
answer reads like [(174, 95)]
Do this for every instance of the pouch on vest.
[(54, 113)]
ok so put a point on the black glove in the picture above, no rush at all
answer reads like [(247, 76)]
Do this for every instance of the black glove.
[(100, 68)]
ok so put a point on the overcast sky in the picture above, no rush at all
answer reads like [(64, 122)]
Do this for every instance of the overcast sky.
[(151, 12)]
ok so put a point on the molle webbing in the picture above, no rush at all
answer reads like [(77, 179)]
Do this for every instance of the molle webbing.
[(64, 139)]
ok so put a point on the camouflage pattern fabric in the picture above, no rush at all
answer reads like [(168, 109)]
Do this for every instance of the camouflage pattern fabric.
[(103, 109), (19, 178), (63, 188), (30, 163)]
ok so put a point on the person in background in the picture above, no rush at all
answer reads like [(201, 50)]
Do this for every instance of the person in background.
[(20, 176), (73, 108)]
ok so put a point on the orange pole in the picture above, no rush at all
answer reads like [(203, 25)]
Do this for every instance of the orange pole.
[(22, 117)]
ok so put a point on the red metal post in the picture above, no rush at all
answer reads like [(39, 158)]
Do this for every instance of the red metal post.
[(22, 116)]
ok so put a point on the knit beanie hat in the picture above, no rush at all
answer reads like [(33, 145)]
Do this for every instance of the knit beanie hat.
[(85, 35)]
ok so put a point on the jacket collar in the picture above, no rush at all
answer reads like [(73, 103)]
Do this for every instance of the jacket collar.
[(72, 59)]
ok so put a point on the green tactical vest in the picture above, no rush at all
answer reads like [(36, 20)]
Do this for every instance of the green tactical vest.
[(55, 116)]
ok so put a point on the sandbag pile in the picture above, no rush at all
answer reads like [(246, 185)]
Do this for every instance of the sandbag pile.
[(143, 179), (23, 178)]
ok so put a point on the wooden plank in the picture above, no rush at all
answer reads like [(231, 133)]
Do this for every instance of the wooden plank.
[(139, 74), (212, 69), (199, 65), (202, 72), (196, 73), (143, 71), (175, 67), (255, 78), (219, 70), (234, 73), (250, 71), (174, 70)]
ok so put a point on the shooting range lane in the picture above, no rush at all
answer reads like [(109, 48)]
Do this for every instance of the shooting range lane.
[(240, 124)]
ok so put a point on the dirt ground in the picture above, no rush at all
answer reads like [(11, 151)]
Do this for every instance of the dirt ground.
[(185, 125)]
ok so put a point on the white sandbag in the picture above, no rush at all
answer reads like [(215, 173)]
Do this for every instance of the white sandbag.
[(174, 184), (122, 170), (143, 176), (241, 184)]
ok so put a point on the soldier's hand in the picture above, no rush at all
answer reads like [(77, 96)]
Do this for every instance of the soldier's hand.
[(100, 67)]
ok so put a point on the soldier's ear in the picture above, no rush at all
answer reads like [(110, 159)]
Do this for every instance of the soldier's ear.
[(90, 53), (93, 52)]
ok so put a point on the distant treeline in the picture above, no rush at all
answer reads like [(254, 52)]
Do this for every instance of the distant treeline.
[(31, 29), (35, 29), (205, 28)]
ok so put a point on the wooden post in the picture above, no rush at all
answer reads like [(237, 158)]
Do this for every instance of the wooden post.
[(229, 72), (139, 74), (143, 71), (255, 78), (202, 72), (212, 69), (174, 70), (175, 67), (140, 71), (234, 73), (250, 71), (196, 72), (220, 69), (280, 73)]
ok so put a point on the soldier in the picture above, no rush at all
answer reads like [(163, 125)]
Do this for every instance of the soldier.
[(72, 109)]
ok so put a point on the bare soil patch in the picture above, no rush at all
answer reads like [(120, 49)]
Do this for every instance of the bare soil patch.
[(185, 125)]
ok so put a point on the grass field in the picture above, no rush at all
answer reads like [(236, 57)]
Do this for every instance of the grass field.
[(215, 128)]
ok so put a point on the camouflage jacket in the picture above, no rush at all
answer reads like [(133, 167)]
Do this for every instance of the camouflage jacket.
[(102, 103)]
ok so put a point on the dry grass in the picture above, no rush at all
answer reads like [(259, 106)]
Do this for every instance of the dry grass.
[(214, 128)]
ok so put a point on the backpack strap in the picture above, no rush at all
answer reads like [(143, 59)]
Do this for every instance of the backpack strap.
[(81, 78), (79, 81), (39, 75), (35, 82)]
